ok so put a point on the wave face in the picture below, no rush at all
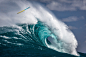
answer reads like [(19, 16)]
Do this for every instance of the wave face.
[(36, 26)]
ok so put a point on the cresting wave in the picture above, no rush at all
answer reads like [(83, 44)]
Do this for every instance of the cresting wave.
[(36, 25)]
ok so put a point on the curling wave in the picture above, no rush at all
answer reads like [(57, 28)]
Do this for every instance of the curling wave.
[(38, 26)]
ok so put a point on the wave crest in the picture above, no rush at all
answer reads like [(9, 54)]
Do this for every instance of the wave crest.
[(49, 26)]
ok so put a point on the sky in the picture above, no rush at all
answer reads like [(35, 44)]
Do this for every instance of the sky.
[(71, 12)]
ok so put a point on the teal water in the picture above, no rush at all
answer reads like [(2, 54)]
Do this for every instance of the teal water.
[(29, 40)]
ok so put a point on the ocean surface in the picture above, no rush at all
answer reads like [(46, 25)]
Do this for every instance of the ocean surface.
[(28, 42)]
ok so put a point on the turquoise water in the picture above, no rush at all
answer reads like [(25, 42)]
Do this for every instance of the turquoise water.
[(25, 33)]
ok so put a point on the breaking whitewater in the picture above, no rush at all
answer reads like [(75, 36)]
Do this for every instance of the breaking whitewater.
[(34, 33)]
